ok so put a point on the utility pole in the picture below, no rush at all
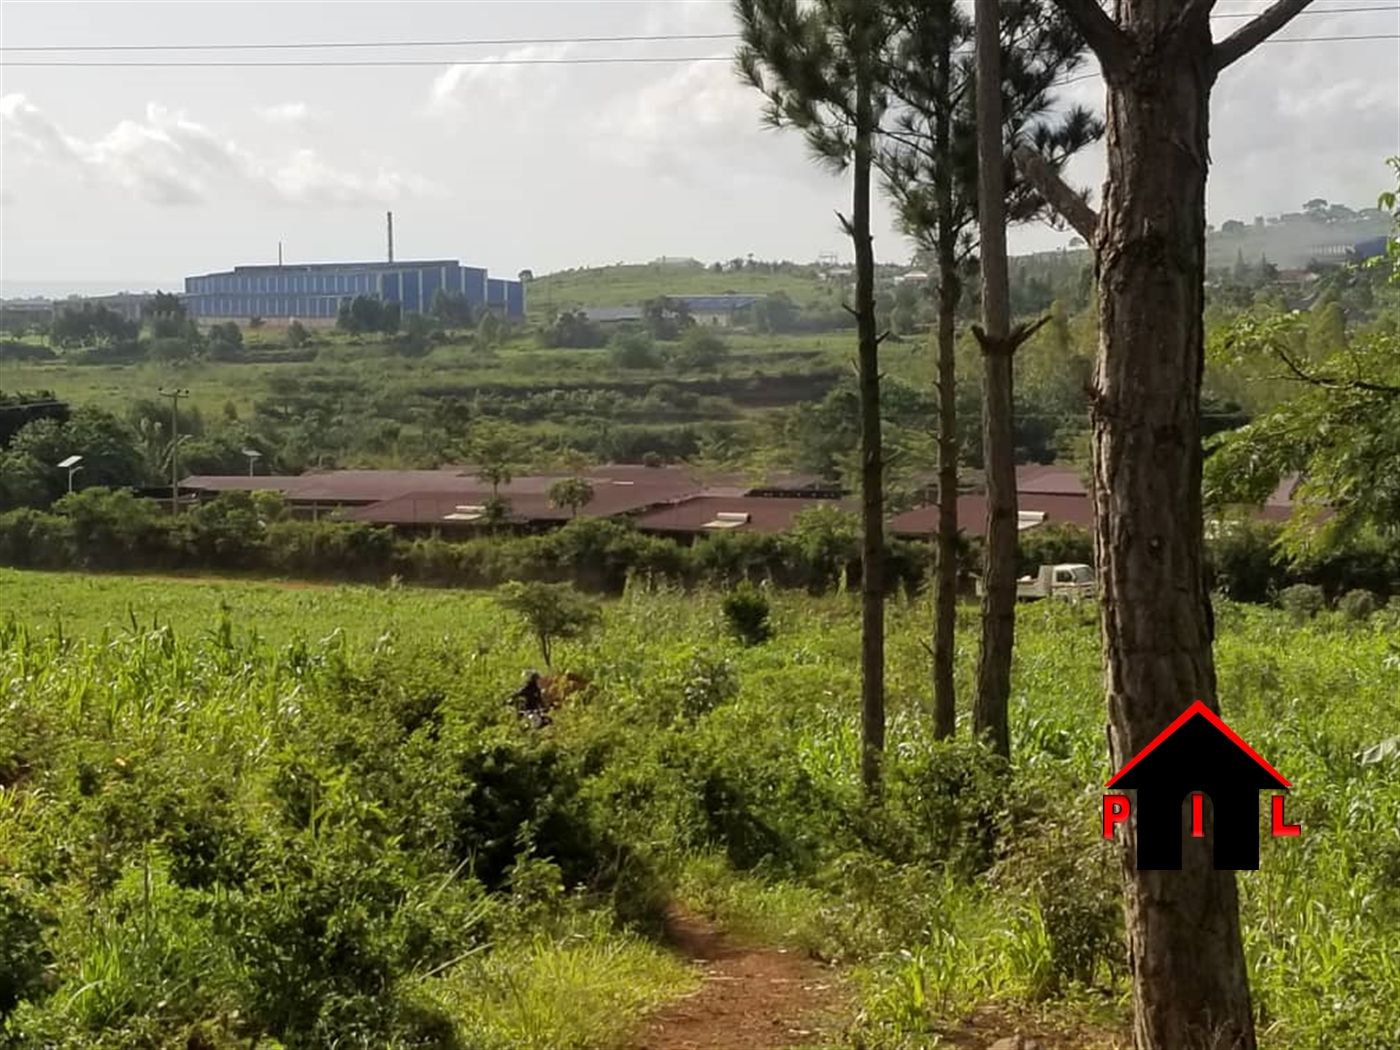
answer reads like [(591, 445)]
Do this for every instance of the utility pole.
[(175, 396)]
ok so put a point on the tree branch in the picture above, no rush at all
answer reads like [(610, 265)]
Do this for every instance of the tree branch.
[(1331, 382), (1109, 43), (1026, 329), (1064, 200), (1254, 32)]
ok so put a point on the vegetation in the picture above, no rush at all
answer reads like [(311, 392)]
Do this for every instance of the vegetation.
[(175, 750)]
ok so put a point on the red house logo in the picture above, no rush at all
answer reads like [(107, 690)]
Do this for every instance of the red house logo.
[(1197, 755)]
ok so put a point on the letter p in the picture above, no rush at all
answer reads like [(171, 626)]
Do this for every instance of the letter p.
[(1115, 811)]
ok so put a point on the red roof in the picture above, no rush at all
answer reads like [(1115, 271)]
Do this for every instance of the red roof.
[(238, 483), (972, 514), (1050, 480), (764, 513), (433, 508)]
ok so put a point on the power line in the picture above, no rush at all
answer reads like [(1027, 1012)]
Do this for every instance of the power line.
[(344, 44), (607, 60), (527, 41)]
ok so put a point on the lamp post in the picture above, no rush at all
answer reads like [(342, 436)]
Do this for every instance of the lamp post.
[(253, 456), (71, 465)]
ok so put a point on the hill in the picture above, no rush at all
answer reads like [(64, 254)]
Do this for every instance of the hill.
[(631, 284)]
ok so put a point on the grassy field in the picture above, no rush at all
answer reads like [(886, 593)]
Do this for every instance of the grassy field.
[(520, 364), (632, 285), (306, 815)]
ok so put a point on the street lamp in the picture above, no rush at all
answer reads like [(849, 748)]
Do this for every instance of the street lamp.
[(71, 465), (253, 456)]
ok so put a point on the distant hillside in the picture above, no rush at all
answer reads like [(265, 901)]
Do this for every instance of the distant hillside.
[(1293, 241), (631, 285), (1324, 233)]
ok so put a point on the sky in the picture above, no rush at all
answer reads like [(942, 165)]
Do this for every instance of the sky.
[(116, 179)]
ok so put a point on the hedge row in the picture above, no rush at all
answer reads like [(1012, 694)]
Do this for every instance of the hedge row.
[(239, 533)]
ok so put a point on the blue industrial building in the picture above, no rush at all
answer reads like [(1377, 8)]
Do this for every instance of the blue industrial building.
[(312, 292)]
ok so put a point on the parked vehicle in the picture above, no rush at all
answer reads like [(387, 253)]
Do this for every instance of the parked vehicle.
[(1055, 581)]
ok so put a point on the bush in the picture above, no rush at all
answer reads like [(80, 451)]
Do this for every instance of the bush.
[(700, 350), (1303, 601), (634, 351), (746, 611), (1358, 605), (1245, 563)]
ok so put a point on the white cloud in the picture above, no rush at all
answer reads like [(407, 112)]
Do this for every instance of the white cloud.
[(307, 179), (169, 159), (6, 197), (499, 77), (287, 113), (700, 126)]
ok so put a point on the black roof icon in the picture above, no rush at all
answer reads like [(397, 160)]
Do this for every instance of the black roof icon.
[(1198, 753)]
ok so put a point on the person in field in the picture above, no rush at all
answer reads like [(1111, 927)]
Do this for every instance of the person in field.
[(530, 701)]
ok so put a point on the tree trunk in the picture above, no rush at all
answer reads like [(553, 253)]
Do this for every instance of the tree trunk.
[(872, 648), (945, 615), (989, 714), (1190, 988)]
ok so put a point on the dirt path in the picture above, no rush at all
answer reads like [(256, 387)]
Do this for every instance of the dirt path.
[(751, 999)]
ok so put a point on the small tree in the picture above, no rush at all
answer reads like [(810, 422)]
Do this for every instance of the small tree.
[(496, 511), (746, 612), (493, 450), (551, 612), (297, 335), (574, 493)]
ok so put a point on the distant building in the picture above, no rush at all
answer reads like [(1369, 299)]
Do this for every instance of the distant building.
[(721, 310), (1371, 249), (614, 314), (17, 314), (313, 292), (716, 309), (130, 305)]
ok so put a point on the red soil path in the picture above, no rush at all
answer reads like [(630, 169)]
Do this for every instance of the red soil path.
[(751, 999)]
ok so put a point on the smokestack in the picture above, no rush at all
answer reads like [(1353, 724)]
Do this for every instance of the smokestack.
[(279, 253), (391, 236)]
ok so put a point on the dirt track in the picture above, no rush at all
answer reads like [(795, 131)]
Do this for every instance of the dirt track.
[(752, 998)]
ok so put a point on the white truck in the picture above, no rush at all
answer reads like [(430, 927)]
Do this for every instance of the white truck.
[(1055, 581)]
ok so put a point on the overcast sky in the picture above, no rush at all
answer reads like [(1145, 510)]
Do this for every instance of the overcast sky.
[(138, 177)]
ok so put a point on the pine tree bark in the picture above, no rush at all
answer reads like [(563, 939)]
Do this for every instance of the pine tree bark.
[(1190, 985), (872, 459), (989, 713), (1190, 988), (946, 575)]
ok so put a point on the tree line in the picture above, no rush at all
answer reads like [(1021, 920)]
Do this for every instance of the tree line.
[(887, 88)]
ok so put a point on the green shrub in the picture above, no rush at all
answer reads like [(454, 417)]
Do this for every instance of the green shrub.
[(23, 956), (1358, 605), (1073, 883), (1302, 601), (746, 612)]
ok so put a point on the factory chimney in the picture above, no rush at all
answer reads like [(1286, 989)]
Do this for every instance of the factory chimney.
[(279, 253), (391, 236)]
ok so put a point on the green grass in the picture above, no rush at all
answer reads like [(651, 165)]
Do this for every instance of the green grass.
[(632, 285), (174, 724), (545, 995)]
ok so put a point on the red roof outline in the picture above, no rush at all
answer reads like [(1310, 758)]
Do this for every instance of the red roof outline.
[(1199, 708)]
